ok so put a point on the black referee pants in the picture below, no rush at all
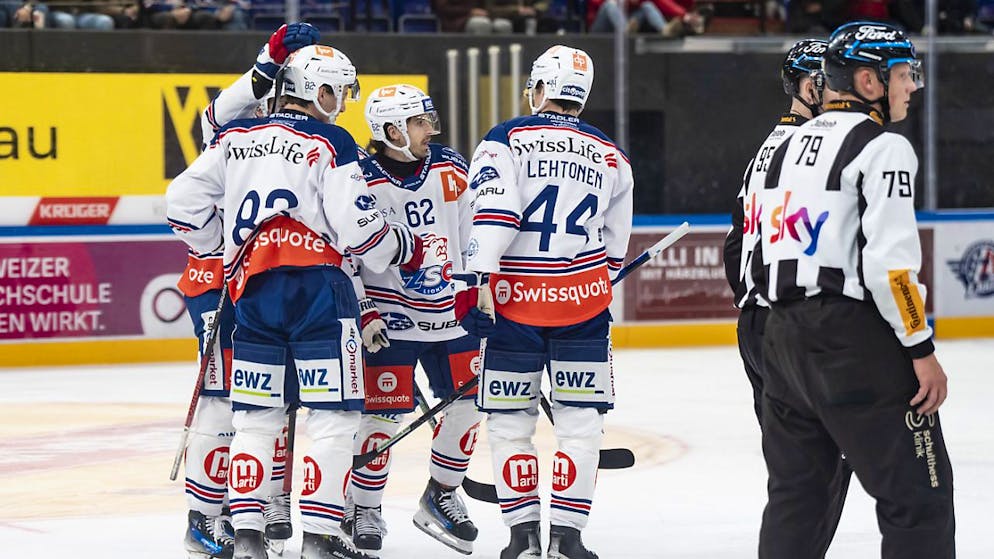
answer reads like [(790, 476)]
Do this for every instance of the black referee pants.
[(838, 381), (751, 326)]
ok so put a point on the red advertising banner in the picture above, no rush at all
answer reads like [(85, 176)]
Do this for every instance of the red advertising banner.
[(686, 281), (91, 288)]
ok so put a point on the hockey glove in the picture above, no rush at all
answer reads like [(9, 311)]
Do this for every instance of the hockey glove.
[(475, 311), (410, 251), (374, 330), (284, 41)]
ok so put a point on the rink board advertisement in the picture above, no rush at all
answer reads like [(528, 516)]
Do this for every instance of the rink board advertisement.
[(92, 288), (117, 134), (107, 293)]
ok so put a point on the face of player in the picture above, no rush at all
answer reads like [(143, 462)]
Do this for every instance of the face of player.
[(419, 130), (901, 86)]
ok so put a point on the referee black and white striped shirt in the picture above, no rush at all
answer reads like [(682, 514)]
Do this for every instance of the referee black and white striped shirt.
[(838, 218), (742, 238)]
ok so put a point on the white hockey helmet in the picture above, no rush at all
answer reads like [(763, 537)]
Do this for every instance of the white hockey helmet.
[(395, 104), (565, 73), (308, 68)]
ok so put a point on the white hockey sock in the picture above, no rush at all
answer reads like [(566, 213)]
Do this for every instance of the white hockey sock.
[(454, 442), (515, 465), (252, 465), (207, 456), (326, 469), (574, 468), (279, 463), (369, 481)]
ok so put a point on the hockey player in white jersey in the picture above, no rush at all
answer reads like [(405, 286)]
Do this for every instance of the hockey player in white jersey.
[(295, 200), (850, 364), (424, 184), (207, 455), (552, 218)]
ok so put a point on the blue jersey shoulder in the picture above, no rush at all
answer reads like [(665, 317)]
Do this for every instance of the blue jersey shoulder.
[(441, 152)]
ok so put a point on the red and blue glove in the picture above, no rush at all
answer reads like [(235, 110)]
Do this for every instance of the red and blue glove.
[(475, 311), (286, 39)]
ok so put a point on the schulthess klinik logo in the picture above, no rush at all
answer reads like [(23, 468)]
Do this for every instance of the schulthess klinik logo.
[(975, 269)]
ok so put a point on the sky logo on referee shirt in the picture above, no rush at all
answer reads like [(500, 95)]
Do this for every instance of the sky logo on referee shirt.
[(787, 220)]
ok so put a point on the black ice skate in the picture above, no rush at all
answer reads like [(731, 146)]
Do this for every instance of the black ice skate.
[(525, 542), (206, 537), (348, 519), (278, 527), (442, 515), (321, 546), (369, 528), (249, 544), (565, 543)]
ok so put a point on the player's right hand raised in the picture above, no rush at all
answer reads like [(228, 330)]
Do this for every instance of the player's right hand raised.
[(285, 40)]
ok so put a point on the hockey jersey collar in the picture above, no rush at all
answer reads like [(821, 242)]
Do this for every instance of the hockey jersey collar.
[(849, 106), (291, 114), (412, 182), (559, 117), (792, 119)]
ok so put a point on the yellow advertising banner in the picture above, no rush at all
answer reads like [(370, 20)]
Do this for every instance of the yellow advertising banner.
[(117, 134)]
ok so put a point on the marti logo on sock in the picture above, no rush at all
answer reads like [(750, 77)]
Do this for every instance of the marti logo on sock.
[(216, 465), (784, 220), (312, 477), (563, 472), (246, 473), (521, 473)]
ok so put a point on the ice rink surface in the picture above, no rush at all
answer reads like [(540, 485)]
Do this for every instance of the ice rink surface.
[(85, 455)]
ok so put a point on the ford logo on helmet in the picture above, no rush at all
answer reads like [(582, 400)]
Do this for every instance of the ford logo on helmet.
[(875, 33)]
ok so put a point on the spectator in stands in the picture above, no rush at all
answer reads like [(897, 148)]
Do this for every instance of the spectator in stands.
[(815, 17), (524, 16), (126, 16), (670, 18), (468, 16), (203, 14), (88, 14), (23, 14), (906, 13)]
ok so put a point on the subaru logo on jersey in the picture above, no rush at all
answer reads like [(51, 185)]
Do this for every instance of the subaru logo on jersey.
[(975, 270), (430, 280), (573, 91), (397, 321), (484, 175), (365, 202)]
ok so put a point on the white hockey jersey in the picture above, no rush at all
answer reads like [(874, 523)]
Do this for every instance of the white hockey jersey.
[(743, 236), (435, 204), (839, 219), (294, 193), (552, 217)]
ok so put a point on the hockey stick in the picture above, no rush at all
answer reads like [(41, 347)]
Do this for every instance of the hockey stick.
[(205, 360), (473, 488), (291, 431), (361, 460)]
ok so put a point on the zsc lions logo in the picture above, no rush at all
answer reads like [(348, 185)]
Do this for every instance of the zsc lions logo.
[(397, 321), (976, 269), (365, 202), (436, 273)]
